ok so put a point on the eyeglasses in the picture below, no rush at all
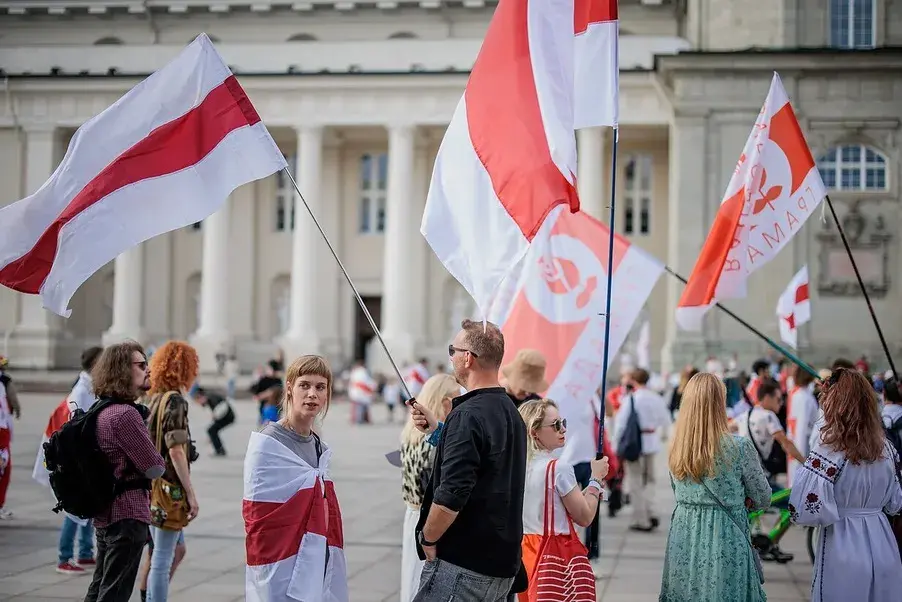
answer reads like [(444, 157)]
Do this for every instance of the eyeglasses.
[(452, 350), (558, 425)]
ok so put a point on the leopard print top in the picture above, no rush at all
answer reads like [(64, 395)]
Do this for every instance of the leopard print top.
[(416, 464)]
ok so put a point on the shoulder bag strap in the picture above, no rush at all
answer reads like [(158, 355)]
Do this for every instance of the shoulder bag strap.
[(748, 423), (548, 522), (730, 516), (161, 408)]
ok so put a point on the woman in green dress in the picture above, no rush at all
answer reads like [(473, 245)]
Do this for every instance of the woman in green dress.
[(709, 557)]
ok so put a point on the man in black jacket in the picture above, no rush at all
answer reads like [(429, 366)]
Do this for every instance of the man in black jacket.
[(471, 521)]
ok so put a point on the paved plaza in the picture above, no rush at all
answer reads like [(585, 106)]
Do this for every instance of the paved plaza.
[(369, 492)]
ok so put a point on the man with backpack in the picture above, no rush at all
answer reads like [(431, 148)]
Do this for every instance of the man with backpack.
[(101, 464), (638, 425)]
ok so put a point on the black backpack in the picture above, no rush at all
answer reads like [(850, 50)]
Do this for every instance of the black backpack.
[(629, 447), (81, 475), (894, 434)]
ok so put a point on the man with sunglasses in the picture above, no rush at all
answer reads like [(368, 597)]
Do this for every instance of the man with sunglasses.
[(471, 519)]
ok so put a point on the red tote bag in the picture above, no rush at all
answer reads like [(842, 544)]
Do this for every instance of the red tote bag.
[(562, 572)]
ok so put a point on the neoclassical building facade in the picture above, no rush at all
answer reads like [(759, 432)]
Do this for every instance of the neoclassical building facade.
[(357, 95)]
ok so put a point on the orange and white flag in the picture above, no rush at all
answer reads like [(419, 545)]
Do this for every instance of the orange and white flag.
[(596, 75), (775, 187), (794, 308), (558, 305)]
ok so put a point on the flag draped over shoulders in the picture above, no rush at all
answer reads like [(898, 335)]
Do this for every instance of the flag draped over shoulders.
[(294, 546)]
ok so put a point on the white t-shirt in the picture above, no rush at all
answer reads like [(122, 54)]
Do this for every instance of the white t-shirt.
[(761, 424), (534, 494)]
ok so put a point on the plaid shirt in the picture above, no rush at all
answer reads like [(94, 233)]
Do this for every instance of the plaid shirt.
[(123, 437)]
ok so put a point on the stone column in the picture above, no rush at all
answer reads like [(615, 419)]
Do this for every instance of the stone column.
[(213, 335), (33, 342), (687, 229), (128, 298), (591, 169), (307, 250), (401, 234)]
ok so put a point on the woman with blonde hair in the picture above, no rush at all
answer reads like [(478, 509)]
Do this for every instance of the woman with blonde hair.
[(546, 432), (294, 538), (417, 456), (847, 486), (716, 478)]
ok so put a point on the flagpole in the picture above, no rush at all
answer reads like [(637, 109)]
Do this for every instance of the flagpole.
[(791, 356), (341, 266), (599, 450), (864, 290)]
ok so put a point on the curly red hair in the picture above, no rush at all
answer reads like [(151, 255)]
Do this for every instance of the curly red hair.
[(173, 367)]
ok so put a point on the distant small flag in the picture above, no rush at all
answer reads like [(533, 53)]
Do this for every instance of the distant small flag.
[(794, 308)]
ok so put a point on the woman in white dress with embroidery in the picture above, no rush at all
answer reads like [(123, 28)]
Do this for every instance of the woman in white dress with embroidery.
[(847, 483)]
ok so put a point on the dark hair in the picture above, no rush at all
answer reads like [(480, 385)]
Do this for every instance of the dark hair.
[(852, 423), (842, 362), (759, 365), (112, 372), (640, 375), (485, 342), (891, 391), (802, 377), (89, 357), (768, 387)]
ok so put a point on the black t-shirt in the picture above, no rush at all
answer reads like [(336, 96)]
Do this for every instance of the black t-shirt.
[(265, 382), (519, 402), (480, 472)]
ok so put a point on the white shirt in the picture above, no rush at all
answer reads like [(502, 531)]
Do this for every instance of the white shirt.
[(82, 395), (581, 445), (890, 413), (803, 410), (534, 494), (653, 414), (417, 375), (391, 393), (760, 425)]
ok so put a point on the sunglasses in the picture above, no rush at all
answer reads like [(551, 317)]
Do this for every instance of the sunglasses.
[(452, 350), (558, 425)]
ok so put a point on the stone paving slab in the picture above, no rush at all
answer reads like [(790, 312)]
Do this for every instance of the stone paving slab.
[(369, 492)]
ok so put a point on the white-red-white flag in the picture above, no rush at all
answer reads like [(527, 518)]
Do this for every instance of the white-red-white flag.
[(794, 308), (597, 67), (559, 304), (288, 529), (509, 154), (775, 187), (165, 155)]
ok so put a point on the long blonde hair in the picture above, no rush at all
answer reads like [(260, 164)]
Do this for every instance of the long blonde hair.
[(700, 428), (533, 414), (436, 389)]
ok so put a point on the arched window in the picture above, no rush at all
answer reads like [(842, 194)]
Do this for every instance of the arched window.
[(403, 35), (302, 37), (109, 41), (852, 23), (854, 167)]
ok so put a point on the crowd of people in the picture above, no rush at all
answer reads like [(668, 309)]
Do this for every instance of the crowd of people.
[(495, 484)]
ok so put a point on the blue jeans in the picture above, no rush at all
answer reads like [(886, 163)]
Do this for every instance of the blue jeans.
[(164, 542), (67, 540)]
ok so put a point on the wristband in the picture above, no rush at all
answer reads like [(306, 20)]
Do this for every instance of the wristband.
[(596, 483)]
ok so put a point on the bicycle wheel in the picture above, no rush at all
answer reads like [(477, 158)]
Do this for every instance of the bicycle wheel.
[(812, 536)]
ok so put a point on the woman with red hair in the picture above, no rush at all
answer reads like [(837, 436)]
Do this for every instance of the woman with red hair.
[(847, 486), (173, 503)]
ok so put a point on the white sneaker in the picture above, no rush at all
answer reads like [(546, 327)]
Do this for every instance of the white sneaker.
[(5, 514)]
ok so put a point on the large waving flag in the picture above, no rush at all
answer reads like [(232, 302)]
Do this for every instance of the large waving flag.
[(597, 67), (558, 303), (509, 154), (288, 528), (776, 186), (165, 155)]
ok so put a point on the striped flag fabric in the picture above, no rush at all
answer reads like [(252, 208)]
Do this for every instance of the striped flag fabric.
[(165, 155), (597, 66), (794, 308), (509, 154), (775, 187), (58, 418), (288, 529)]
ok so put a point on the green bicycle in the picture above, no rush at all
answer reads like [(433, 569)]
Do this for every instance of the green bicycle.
[(766, 542)]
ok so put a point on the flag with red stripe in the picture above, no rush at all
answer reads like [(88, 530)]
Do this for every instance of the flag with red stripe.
[(165, 155), (794, 308), (597, 67), (775, 187), (58, 418), (509, 154), (291, 516)]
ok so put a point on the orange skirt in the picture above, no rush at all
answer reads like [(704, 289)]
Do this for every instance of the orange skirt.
[(530, 555)]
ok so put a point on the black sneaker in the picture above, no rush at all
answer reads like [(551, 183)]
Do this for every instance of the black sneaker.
[(775, 554)]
